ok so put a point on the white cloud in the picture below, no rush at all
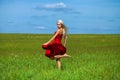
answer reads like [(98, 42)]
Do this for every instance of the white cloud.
[(40, 27), (55, 5)]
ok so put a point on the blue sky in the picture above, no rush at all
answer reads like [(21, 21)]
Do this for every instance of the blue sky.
[(40, 16)]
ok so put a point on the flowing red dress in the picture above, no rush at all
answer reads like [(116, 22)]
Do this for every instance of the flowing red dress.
[(55, 47)]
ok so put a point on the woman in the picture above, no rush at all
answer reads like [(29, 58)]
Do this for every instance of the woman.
[(54, 47)]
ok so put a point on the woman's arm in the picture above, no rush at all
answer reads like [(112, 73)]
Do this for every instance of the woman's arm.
[(65, 40), (58, 31)]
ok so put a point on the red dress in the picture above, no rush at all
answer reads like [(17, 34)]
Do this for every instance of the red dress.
[(55, 47)]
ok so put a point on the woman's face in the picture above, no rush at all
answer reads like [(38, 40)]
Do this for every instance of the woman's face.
[(59, 25)]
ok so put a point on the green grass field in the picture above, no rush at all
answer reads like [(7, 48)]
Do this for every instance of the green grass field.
[(94, 57)]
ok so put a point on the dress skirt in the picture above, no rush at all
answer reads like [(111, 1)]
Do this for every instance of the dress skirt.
[(54, 49)]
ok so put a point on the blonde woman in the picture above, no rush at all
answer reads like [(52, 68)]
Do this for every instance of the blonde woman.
[(54, 47)]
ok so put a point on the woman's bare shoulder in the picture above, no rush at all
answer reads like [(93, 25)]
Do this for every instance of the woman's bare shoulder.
[(59, 31)]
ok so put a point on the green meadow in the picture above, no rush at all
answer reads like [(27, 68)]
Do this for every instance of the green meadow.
[(94, 57)]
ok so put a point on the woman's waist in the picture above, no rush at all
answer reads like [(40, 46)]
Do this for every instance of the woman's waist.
[(57, 41)]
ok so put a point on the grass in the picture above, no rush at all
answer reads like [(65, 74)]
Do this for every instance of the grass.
[(94, 57)]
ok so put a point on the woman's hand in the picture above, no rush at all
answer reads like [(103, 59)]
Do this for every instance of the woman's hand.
[(45, 44)]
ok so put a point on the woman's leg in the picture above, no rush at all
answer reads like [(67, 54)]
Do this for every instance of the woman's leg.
[(58, 63), (62, 56)]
